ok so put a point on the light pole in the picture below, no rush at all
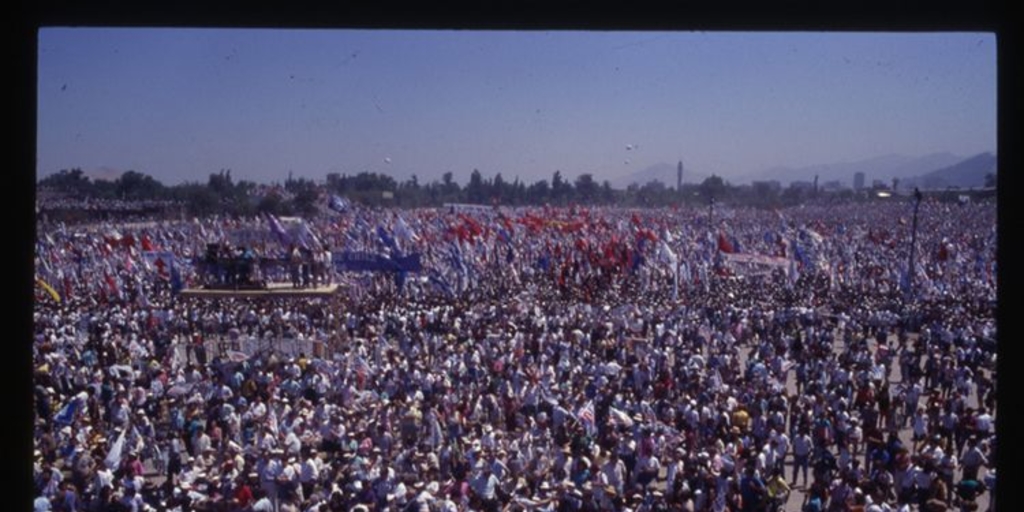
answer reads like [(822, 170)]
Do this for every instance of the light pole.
[(913, 241)]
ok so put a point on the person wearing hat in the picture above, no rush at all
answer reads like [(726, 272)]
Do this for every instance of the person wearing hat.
[(42, 504)]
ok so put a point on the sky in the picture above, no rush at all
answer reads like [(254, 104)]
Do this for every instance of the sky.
[(180, 104)]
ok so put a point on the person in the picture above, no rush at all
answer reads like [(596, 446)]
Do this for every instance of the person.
[(328, 265), (972, 461), (752, 489), (778, 490), (967, 492), (802, 446), (295, 266), (495, 352), (41, 504), (990, 485), (485, 487), (813, 501), (937, 496)]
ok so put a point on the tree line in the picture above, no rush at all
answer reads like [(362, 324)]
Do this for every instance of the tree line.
[(221, 194)]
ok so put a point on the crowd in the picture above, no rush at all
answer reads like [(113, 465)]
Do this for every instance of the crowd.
[(545, 359)]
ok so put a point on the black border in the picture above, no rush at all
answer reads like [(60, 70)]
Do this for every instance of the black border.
[(906, 16)]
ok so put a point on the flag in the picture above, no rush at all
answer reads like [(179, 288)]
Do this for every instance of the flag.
[(387, 239), (113, 459), (403, 231), (112, 284), (337, 204), (361, 367), (800, 254), (272, 423), (308, 238), (724, 244), (49, 289), (586, 415), (278, 230), (620, 417), (66, 415), (441, 283), (141, 294), (504, 236), (176, 284), (666, 255)]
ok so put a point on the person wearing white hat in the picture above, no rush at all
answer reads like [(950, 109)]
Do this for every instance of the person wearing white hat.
[(41, 504)]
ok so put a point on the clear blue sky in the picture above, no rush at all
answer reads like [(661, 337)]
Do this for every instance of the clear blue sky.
[(180, 104)]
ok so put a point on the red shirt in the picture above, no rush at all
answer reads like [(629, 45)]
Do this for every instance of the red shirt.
[(243, 495)]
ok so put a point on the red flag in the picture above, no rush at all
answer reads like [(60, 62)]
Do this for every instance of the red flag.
[(111, 283), (147, 245), (724, 244)]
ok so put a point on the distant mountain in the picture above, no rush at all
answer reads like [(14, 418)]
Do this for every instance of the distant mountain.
[(964, 174), (883, 168), (663, 172)]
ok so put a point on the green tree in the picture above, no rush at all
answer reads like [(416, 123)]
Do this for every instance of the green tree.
[(73, 182), (538, 193), (475, 188), (713, 187), (135, 185), (586, 188)]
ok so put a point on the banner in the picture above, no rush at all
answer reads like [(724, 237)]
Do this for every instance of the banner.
[(163, 261), (367, 261), (754, 264)]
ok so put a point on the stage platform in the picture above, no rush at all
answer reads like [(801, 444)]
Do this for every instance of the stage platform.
[(272, 290)]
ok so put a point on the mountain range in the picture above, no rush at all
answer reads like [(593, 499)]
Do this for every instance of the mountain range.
[(936, 170), (968, 173)]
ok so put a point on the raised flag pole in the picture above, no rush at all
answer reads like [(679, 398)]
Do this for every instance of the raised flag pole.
[(711, 212), (913, 242)]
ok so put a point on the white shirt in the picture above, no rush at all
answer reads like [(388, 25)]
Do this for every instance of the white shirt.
[(310, 471)]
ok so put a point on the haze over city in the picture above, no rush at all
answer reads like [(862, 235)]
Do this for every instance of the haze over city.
[(179, 104)]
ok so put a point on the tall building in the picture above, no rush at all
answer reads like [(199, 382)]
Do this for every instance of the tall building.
[(858, 181), (679, 177)]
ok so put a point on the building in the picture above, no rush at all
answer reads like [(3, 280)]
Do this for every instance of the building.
[(858, 181), (679, 176)]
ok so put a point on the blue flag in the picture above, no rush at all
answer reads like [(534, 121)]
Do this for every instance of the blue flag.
[(387, 239), (176, 284), (66, 415), (279, 231), (441, 283), (337, 204)]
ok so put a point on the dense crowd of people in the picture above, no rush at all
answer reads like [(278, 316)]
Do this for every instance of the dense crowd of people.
[(544, 359)]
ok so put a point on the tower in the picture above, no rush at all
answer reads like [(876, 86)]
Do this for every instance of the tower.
[(679, 177)]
